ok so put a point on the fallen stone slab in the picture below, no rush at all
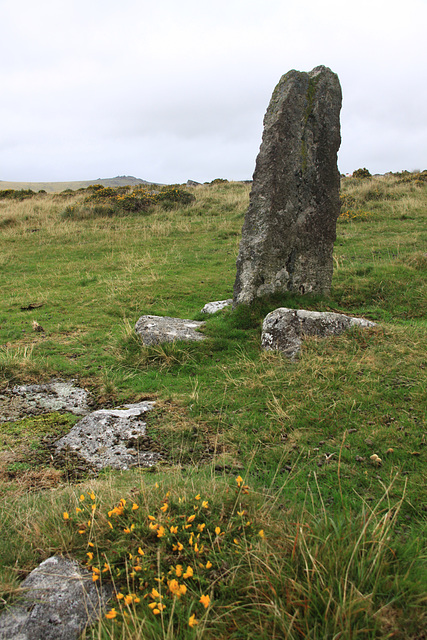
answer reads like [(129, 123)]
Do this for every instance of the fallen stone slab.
[(59, 601), (213, 307), (284, 329), (157, 329), (114, 438), (34, 399)]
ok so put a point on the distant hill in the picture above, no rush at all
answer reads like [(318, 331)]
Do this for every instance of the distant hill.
[(52, 187)]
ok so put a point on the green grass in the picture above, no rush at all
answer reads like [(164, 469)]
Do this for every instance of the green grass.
[(343, 549)]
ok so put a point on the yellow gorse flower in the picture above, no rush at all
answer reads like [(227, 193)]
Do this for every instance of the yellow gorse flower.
[(192, 621), (205, 600), (188, 573)]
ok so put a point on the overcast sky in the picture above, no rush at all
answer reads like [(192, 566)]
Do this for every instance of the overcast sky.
[(168, 90)]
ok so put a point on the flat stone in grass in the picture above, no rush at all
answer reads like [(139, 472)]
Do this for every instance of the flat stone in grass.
[(114, 438), (35, 399), (59, 601), (213, 307), (284, 329), (157, 329)]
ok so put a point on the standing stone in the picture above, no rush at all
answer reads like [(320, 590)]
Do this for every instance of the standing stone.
[(290, 226)]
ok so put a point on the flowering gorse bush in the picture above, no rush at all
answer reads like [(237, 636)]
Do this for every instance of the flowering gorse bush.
[(169, 562)]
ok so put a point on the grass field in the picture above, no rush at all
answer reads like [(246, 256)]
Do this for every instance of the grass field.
[(296, 532)]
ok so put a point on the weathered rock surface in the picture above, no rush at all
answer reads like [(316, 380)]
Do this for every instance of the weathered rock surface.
[(60, 600), (113, 438), (157, 329), (284, 329), (213, 307), (35, 399), (290, 226)]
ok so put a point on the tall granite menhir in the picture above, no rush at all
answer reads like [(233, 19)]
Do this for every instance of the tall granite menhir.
[(290, 226)]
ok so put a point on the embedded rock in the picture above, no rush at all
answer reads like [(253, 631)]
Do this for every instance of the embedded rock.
[(60, 600), (34, 399), (114, 438), (213, 307), (284, 329), (157, 329), (290, 226)]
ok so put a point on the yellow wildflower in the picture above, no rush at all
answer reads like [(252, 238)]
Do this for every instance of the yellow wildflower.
[(82, 497), (191, 518), (217, 530), (198, 497), (174, 529), (164, 508), (178, 570), (192, 621), (135, 506), (140, 551), (78, 510), (66, 515), (119, 596), (205, 600), (95, 577), (128, 599), (111, 614), (92, 496), (200, 527), (161, 532), (188, 573), (205, 504), (261, 533), (154, 593), (208, 564), (90, 555), (239, 480)]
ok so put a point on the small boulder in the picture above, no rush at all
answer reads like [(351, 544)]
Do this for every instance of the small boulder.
[(157, 329), (114, 438), (283, 329), (60, 600), (213, 307)]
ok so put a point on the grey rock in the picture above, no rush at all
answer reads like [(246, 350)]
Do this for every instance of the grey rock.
[(284, 329), (157, 329), (113, 438), (59, 601), (290, 226), (193, 183), (56, 395), (213, 307)]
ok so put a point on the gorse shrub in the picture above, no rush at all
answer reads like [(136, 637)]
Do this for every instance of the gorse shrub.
[(109, 201), (171, 562), (169, 197), (14, 194), (362, 173)]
